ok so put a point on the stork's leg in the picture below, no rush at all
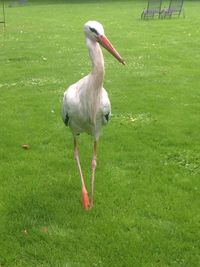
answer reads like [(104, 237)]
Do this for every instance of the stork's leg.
[(94, 164), (85, 199)]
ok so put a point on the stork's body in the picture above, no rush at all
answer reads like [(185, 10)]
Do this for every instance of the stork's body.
[(86, 106)]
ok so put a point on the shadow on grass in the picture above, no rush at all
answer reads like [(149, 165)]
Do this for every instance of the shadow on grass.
[(39, 207)]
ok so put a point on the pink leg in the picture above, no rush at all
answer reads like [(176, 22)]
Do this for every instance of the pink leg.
[(94, 164), (85, 199)]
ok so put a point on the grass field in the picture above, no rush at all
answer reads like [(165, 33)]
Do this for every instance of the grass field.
[(147, 190)]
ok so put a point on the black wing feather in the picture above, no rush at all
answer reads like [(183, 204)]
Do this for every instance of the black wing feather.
[(66, 119)]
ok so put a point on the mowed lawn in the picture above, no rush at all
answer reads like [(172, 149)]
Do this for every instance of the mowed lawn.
[(147, 187)]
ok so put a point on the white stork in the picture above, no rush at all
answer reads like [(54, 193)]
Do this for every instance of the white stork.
[(86, 106)]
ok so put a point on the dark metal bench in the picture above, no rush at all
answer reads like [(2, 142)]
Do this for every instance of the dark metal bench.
[(153, 9), (175, 8)]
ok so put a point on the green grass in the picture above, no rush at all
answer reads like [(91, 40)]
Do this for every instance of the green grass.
[(147, 190)]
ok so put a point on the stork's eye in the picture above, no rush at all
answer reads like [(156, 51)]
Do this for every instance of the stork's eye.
[(94, 31)]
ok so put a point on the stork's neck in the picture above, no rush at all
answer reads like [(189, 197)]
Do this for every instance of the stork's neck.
[(97, 59)]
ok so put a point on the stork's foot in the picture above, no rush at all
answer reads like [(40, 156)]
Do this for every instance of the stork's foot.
[(85, 199)]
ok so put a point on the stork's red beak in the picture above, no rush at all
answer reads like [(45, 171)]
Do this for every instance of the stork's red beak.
[(102, 39)]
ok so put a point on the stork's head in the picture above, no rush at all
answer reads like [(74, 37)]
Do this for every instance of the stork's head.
[(95, 32)]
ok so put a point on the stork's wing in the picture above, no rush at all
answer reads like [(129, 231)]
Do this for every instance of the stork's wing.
[(105, 106), (69, 100)]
